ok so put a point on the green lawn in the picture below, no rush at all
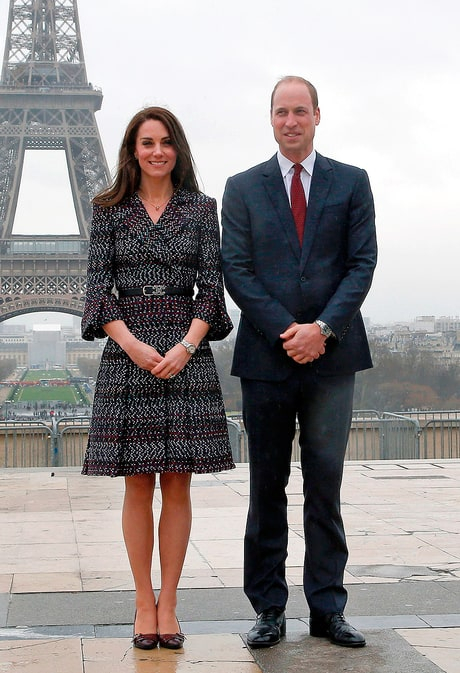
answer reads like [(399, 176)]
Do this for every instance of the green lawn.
[(48, 393), (37, 374)]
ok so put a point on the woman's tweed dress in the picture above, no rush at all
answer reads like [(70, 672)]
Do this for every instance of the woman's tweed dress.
[(142, 424)]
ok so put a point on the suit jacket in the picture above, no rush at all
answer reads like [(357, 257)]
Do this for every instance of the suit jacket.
[(276, 282)]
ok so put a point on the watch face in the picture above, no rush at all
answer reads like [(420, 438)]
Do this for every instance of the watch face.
[(190, 348), (324, 329)]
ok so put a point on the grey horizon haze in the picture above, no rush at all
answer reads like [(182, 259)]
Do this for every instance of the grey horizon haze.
[(387, 78)]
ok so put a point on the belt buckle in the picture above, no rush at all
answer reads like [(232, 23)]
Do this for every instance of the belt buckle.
[(154, 290)]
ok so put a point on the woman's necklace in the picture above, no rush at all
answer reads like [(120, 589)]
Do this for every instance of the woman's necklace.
[(157, 206)]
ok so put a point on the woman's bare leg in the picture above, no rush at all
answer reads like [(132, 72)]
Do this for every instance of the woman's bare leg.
[(173, 535), (137, 523)]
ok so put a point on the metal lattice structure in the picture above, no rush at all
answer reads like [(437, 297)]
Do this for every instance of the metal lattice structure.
[(46, 103)]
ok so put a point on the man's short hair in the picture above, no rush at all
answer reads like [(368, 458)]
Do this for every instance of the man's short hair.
[(295, 78)]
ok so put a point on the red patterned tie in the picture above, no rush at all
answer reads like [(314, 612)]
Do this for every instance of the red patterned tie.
[(298, 202)]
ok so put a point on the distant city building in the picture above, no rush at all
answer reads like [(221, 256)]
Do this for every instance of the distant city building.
[(447, 324), (440, 337), (15, 351), (46, 346), (424, 323), (46, 349), (83, 349)]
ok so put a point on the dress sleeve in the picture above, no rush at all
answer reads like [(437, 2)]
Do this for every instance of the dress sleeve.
[(101, 305), (209, 304)]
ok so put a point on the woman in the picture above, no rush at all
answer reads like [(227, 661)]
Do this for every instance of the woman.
[(158, 406)]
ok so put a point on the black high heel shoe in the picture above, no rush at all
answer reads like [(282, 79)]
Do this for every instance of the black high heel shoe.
[(144, 641)]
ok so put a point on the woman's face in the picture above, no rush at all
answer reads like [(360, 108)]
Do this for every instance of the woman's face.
[(154, 150)]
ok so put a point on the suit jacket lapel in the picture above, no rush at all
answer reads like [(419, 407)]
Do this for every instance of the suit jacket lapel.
[(276, 191), (321, 182)]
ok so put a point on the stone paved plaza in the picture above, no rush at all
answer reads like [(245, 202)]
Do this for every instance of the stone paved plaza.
[(66, 593)]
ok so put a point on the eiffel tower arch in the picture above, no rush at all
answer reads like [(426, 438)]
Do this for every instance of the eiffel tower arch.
[(46, 103)]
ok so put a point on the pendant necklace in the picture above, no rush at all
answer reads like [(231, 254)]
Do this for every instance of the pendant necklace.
[(157, 207)]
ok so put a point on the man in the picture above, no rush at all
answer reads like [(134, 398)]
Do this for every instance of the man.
[(299, 277)]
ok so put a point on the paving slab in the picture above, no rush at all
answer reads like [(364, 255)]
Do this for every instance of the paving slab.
[(226, 604), (441, 646), (66, 592), (217, 654), (385, 652), (52, 656)]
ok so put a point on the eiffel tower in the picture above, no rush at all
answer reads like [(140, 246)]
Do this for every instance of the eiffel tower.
[(46, 103)]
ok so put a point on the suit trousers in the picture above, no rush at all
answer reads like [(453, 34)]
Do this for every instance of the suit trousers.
[(323, 407)]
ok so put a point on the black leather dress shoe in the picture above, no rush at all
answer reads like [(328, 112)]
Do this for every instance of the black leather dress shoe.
[(269, 628), (339, 631)]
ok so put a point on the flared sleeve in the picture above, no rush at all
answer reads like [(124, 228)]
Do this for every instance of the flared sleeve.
[(209, 303), (101, 305)]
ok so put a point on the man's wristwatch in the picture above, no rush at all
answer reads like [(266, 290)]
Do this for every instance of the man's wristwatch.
[(190, 348), (324, 328)]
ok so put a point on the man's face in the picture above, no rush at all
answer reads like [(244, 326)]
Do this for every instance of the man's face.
[(294, 120)]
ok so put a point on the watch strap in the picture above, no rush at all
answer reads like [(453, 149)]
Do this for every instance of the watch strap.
[(325, 329), (189, 347)]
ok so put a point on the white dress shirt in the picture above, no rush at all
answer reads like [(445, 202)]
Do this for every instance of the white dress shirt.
[(287, 171)]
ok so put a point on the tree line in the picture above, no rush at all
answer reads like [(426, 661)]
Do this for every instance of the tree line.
[(7, 367), (399, 381), (405, 381)]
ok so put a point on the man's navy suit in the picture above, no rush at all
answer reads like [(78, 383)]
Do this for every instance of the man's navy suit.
[(276, 282)]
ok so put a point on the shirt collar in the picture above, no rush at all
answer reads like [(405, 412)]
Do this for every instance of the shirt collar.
[(286, 164)]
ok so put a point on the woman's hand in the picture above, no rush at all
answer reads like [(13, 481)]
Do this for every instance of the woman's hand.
[(143, 355), (173, 362)]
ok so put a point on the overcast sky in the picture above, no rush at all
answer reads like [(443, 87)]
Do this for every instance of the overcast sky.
[(388, 81)]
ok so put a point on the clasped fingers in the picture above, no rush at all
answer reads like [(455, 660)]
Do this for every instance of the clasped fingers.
[(172, 364), (143, 355)]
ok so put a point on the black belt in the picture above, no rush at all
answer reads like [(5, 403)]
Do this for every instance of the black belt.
[(155, 291)]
